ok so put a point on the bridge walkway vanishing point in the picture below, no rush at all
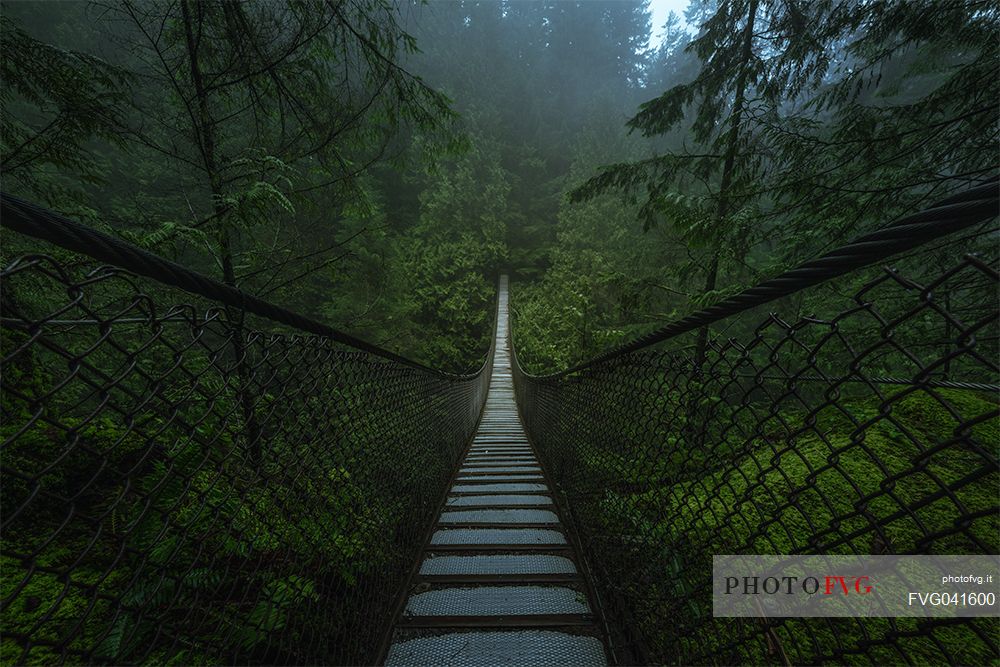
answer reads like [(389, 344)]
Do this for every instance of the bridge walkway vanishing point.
[(497, 582)]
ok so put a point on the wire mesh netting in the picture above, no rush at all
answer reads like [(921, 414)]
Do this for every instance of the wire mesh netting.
[(184, 484), (868, 426)]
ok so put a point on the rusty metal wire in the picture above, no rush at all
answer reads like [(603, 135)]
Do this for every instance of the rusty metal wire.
[(186, 484), (869, 426)]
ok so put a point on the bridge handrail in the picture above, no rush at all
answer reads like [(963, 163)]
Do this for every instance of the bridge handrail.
[(859, 417), (946, 216), (196, 485), (32, 220)]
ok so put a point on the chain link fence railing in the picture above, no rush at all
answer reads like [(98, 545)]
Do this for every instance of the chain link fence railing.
[(187, 483), (857, 417)]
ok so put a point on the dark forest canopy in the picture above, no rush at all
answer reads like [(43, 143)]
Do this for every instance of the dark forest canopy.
[(374, 163)]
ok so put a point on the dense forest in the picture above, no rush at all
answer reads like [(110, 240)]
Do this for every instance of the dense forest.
[(375, 165), (335, 159)]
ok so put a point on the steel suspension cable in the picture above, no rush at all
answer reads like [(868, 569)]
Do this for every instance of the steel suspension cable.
[(960, 211), (34, 221)]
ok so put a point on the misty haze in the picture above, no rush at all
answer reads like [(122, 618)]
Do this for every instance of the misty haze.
[(356, 332)]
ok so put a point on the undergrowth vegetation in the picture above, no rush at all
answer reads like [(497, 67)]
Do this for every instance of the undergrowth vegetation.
[(169, 502), (863, 432)]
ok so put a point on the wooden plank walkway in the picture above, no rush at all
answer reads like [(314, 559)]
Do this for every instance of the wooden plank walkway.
[(498, 583)]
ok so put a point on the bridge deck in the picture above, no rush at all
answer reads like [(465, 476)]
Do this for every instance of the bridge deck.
[(498, 583)]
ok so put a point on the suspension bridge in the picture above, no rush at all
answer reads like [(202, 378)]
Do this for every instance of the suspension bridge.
[(193, 475), (498, 556)]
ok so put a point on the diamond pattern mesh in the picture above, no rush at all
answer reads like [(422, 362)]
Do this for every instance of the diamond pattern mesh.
[(498, 564), (498, 488), (497, 601), (486, 501), (493, 649), (499, 516), (483, 536)]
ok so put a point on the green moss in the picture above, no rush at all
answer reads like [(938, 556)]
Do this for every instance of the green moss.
[(833, 478), (939, 414), (51, 609)]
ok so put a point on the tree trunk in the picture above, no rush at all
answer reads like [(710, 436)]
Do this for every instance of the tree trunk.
[(728, 168), (204, 130), (701, 347), (695, 424)]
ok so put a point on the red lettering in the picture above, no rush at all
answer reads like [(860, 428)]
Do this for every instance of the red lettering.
[(831, 583)]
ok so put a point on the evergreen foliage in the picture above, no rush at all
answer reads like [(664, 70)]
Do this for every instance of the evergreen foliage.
[(375, 164)]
